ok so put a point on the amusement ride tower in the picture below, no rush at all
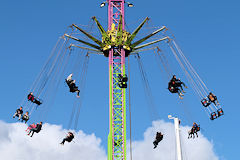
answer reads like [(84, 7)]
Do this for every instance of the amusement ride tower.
[(117, 95), (116, 44)]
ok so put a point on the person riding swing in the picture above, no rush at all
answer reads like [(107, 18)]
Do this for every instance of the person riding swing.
[(18, 113), (37, 129), (25, 117), (212, 98), (68, 138), (159, 137), (195, 128), (174, 85), (32, 98), (31, 126), (71, 84)]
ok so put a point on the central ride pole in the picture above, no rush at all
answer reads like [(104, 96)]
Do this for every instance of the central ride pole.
[(177, 134), (117, 95)]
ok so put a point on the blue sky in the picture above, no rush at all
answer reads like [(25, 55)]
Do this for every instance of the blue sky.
[(207, 32)]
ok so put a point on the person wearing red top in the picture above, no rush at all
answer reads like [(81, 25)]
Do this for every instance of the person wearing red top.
[(30, 97)]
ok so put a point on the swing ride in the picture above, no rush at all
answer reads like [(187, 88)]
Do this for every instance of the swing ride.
[(117, 44)]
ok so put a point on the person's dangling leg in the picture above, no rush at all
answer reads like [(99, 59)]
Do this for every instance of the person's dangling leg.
[(26, 120), (180, 85), (78, 91), (32, 133), (29, 132), (179, 94), (28, 129), (14, 114), (155, 144), (32, 130), (63, 141), (19, 116)]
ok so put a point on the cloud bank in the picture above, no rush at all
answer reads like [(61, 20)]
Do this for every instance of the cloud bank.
[(193, 149), (16, 145)]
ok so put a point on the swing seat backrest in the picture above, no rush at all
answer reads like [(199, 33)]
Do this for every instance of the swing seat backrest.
[(220, 112), (205, 102), (213, 116)]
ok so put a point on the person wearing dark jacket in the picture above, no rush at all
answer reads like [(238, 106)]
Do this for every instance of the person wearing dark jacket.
[(37, 129), (72, 85), (175, 86), (174, 79), (172, 87), (68, 138), (159, 137), (18, 113), (179, 84)]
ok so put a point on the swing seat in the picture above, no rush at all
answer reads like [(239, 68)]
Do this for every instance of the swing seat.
[(205, 102), (173, 90), (123, 78), (213, 116), (220, 112), (198, 128), (122, 84)]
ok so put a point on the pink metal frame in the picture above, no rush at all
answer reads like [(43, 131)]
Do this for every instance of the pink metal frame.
[(117, 95)]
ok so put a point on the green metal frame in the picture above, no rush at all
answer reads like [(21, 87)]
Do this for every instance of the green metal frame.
[(114, 43)]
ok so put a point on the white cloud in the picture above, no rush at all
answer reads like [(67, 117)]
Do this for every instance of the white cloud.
[(193, 149), (16, 145)]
